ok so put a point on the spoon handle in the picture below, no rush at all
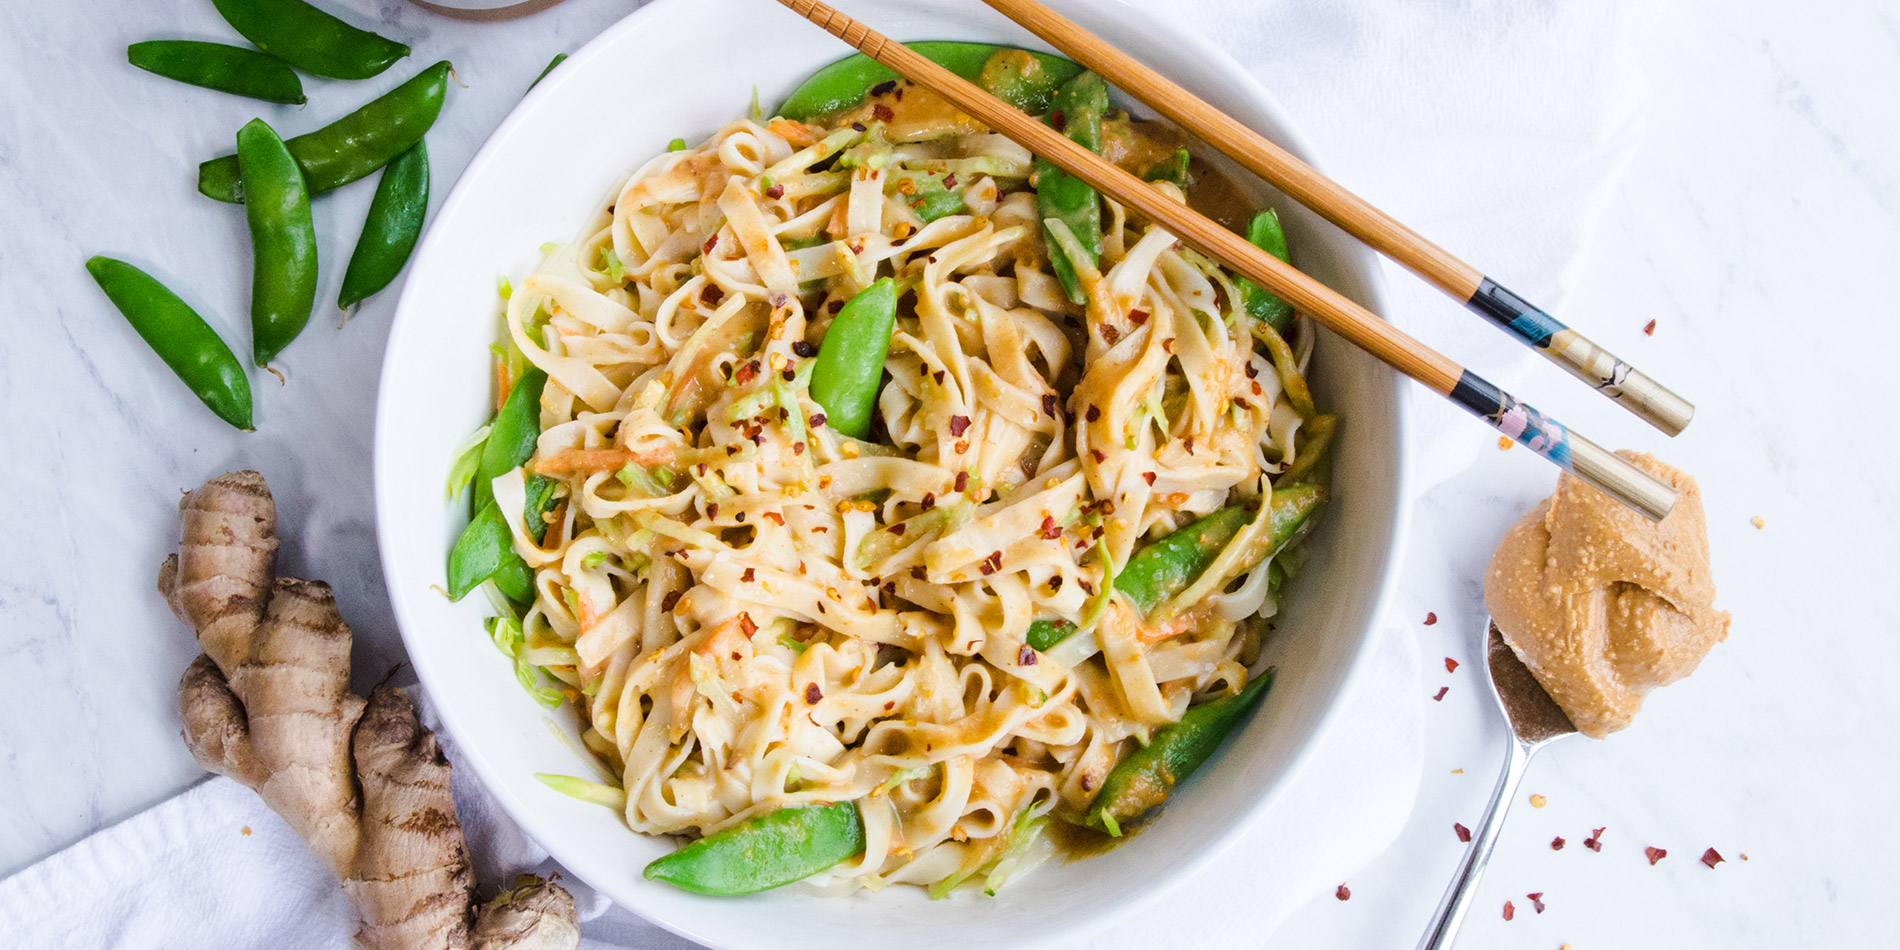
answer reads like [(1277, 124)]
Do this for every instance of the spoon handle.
[(1451, 909)]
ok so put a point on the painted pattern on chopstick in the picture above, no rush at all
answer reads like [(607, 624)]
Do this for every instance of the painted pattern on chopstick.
[(1585, 360), (1524, 425)]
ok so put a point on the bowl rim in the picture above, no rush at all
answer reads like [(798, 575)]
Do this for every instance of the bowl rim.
[(407, 322)]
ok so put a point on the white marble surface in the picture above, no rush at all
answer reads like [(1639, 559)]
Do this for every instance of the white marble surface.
[(1755, 225)]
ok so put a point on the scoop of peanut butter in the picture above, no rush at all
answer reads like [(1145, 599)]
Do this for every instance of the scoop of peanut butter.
[(1602, 604)]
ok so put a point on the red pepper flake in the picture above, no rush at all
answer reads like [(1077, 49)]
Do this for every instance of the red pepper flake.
[(667, 603), (1026, 656), (1649, 329), (1655, 855), (963, 481), (1060, 123), (929, 502), (917, 572), (746, 625), (1050, 529), (1595, 842), (1148, 477), (712, 509), (1463, 833), (950, 180), (1711, 858), (882, 113), (1509, 911), (1556, 844), (775, 517), (1442, 690), (1431, 617), (991, 564), (776, 191), (1537, 900), (1137, 317), (1343, 893), (817, 420), (1110, 335), (1097, 455), (959, 425), (1092, 413), (813, 694), (1167, 345), (798, 448), (1451, 665), (898, 529), (747, 373), (711, 243), (747, 576), (1049, 404)]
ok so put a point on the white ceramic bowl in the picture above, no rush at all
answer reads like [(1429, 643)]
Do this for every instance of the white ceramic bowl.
[(682, 68)]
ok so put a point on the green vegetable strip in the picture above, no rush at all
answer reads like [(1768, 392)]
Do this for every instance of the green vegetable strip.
[(1264, 233), (511, 436), (480, 551), (1174, 168), (1079, 106), (391, 228), (283, 241), (1145, 777), (850, 363), (310, 39), (844, 84), (769, 851), (232, 69), (180, 337), (351, 147)]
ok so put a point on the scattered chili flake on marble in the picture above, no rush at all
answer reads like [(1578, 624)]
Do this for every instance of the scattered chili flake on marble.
[(1430, 618), (1457, 771), (1711, 858), (1451, 665), (1537, 901), (1556, 844), (1595, 841), (1509, 911), (1442, 690), (1464, 834), (246, 832), (1649, 329), (1343, 893), (1539, 801), (1655, 855), (1504, 445), (1744, 855), (1758, 522)]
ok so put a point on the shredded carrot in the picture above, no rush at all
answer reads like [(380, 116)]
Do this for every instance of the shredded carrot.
[(797, 133), (502, 382), (586, 612)]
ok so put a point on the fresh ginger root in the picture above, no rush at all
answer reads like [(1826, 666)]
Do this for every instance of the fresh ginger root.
[(361, 781)]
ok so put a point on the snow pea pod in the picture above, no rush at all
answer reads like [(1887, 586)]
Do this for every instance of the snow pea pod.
[(180, 337), (1162, 570), (1078, 109), (769, 851), (283, 241), (512, 435), (486, 548), (310, 39), (480, 550), (1144, 778), (850, 366), (1022, 78), (1264, 232), (351, 147), (390, 231), (232, 69)]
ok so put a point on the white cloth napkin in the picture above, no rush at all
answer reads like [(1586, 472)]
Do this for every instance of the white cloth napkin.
[(1497, 128)]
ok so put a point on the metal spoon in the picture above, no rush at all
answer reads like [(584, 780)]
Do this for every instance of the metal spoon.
[(1535, 720)]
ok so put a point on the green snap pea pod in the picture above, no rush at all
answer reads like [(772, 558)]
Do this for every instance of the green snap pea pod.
[(1077, 111), (283, 241), (511, 436), (480, 551), (1022, 78), (1144, 778), (310, 39), (232, 69), (1174, 168), (1162, 570), (180, 337), (769, 851), (1264, 232), (390, 231), (850, 365), (351, 147)]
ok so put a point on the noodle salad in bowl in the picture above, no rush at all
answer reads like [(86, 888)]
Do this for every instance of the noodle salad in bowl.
[(893, 508)]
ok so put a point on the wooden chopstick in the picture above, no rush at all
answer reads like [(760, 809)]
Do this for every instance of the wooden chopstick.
[(1587, 460), (1529, 325)]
